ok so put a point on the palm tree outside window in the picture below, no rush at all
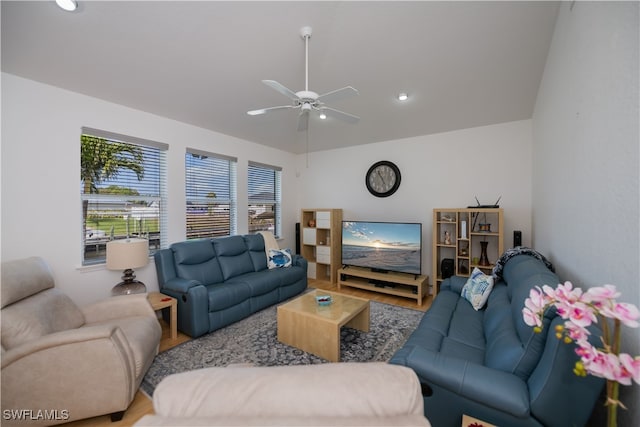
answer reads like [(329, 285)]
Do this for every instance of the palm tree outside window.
[(123, 191)]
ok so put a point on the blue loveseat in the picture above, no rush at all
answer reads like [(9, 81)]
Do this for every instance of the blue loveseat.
[(222, 280), (490, 365)]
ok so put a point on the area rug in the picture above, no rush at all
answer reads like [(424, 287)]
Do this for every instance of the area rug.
[(254, 341)]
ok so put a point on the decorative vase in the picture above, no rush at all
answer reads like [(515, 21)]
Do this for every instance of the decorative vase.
[(483, 254)]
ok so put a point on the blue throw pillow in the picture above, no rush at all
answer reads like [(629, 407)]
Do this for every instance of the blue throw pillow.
[(279, 258), (477, 288)]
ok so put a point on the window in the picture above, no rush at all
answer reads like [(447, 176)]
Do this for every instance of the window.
[(211, 194), (123, 191), (265, 202)]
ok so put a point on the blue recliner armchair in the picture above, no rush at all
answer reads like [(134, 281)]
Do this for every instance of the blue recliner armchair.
[(222, 280), (490, 365)]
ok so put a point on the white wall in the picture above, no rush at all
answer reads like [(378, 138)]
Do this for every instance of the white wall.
[(445, 170), (41, 208), (585, 157)]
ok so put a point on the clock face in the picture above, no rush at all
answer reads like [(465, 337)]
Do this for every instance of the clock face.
[(383, 179)]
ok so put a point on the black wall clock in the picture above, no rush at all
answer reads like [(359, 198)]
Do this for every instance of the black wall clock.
[(383, 178)]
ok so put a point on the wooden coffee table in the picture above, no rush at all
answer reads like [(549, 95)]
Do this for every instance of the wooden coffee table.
[(304, 324)]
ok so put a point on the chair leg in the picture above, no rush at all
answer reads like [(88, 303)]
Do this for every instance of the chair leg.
[(117, 416)]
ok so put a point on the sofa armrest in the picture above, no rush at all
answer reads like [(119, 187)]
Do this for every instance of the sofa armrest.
[(343, 390), (299, 261), (490, 387), (65, 338), (117, 308), (44, 373), (454, 284), (181, 285)]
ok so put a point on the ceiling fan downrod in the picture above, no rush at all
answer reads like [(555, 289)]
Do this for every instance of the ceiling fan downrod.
[(305, 32)]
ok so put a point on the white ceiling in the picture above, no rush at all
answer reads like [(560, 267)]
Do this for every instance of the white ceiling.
[(463, 64)]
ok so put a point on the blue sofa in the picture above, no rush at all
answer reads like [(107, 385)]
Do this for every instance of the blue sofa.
[(490, 365), (222, 280)]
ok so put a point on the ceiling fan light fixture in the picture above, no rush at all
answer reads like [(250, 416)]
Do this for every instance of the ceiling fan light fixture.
[(403, 96), (323, 116), (68, 5)]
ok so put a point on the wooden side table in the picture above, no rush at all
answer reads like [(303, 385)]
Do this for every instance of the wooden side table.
[(159, 301)]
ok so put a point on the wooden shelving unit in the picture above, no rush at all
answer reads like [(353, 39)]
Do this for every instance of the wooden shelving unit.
[(400, 284), (457, 235), (321, 242)]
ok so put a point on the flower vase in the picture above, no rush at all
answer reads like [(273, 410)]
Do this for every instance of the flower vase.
[(484, 261)]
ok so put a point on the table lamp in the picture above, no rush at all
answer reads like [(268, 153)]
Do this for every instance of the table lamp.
[(127, 254)]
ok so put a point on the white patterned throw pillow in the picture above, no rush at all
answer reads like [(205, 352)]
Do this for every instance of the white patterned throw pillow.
[(279, 258), (477, 288)]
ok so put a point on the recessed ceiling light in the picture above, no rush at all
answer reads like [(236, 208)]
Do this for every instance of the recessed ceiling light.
[(403, 96), (68, 5), (323, 116)]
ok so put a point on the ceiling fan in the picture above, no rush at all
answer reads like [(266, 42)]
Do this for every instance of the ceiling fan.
[(306, 100)]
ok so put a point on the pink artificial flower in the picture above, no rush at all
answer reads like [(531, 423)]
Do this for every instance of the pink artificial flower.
[(631, 366), (534, 307), (530, 318), (580, 314), (548, 291), (626, 313), (600, 294), (604, 365), (537, 300), (586, 351), (576, 332), (579, 310), (566, 293)]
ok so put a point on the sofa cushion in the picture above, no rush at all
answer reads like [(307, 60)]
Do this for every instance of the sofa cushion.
[(465, 337), (233, 256), (17, 284), (256, 246), (196, 260), (42, 314), (259, 282), (512, 346), (451, 327), (225, 295)]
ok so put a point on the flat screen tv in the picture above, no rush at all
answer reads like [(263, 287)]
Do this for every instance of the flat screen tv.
[(383, 246)]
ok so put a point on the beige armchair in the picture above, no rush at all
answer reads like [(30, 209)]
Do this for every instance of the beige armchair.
[(62, 363)]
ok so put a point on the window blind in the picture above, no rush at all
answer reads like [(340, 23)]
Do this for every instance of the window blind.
[(210, 194), (264, 194), (123, 191)]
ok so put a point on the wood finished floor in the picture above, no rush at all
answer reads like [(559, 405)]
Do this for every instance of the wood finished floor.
[(142, 405)]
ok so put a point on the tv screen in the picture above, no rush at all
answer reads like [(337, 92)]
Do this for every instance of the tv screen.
[(383, 246)]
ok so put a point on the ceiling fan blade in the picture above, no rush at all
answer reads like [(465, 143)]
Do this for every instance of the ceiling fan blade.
[(338, 94), (303, 121), (266, 110), (332, 112), (282, 89)]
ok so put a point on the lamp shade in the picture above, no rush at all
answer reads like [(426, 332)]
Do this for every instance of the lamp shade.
[(127, 253)]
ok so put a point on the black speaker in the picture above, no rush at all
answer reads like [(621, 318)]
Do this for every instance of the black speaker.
[(298, 238), (517, 238), (446, 267)]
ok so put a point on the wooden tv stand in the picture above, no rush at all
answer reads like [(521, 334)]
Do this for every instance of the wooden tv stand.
[(400, 284)]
